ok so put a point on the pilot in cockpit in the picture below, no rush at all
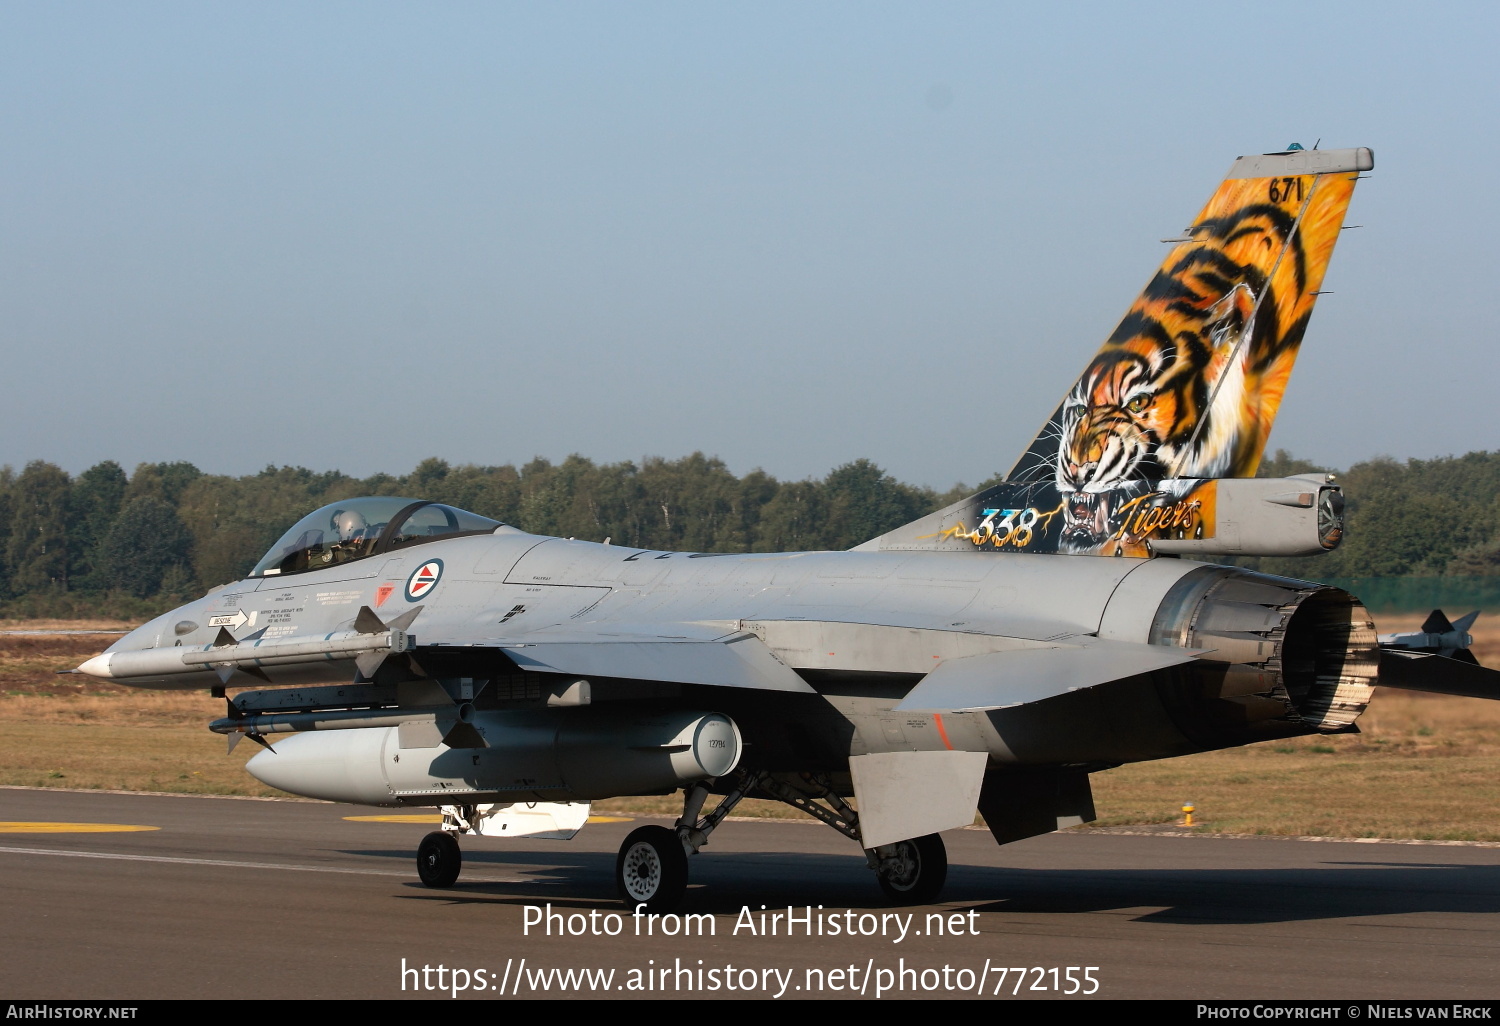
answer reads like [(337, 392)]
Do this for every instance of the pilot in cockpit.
[(354, 536)]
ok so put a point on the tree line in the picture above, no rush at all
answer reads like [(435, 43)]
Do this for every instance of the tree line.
[(110, 543)]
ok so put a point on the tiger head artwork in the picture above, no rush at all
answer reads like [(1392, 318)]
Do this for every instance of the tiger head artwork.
[(1188, 384)]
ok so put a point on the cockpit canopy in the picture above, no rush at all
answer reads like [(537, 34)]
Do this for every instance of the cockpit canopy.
[(357, 528)]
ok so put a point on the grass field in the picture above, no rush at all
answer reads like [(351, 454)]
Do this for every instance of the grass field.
[(1425, 766)]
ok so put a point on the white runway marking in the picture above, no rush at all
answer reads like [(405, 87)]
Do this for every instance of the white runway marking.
[(230, 864)]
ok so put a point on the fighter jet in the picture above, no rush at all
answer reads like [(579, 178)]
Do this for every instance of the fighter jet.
[(988, 657)]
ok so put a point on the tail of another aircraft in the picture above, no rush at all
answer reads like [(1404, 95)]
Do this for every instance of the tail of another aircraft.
[(1186, 387)]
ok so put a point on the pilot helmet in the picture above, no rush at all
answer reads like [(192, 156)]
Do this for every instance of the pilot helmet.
[(349, 524)]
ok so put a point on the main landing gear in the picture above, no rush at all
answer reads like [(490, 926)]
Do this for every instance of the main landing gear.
[(912, 872), (651, 869)]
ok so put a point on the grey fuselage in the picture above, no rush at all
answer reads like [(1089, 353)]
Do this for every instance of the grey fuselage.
[(860, 628)]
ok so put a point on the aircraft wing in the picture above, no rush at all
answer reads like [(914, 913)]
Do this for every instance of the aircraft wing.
[(719, 655), (681, 653), (739, 661), (762, 654), (999, 680)]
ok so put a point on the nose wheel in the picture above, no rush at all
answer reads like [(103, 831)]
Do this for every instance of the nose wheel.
[(439, 859), (652, 870)]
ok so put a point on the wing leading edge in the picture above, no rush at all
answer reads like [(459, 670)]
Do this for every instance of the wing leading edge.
[(739, 661)]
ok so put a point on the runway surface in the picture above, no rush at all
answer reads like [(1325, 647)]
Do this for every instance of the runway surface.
[(255, 899)]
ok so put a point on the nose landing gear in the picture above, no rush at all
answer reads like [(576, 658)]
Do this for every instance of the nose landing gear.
[(439, 859)]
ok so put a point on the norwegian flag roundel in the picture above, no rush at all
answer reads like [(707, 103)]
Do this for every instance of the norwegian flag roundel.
[(423, 579)]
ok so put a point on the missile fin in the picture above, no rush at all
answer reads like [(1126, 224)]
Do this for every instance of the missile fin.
[(1436, 623), (404, 621), (367, 622), (369, 662)]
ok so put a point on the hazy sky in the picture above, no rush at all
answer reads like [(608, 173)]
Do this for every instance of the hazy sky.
[(356, 235)]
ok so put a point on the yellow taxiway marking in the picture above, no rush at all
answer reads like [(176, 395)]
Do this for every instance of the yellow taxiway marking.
[(429, 818), (424, 818), (71, 828)]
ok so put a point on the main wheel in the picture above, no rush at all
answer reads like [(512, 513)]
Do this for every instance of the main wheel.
[(917, 872), (651, 870), (439, 859)]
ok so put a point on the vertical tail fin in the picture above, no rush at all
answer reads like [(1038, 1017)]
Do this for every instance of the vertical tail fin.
[(1191, 379), (1188, 385)]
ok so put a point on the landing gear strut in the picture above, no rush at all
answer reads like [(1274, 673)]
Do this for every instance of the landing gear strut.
[(439, 859), (911, 872), (652, 868)]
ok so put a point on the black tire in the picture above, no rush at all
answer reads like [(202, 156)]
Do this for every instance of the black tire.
[(651, 870), (439, 859), (919, 872)]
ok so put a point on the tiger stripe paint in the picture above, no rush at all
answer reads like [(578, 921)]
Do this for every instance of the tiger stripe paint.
[(1187, 386)]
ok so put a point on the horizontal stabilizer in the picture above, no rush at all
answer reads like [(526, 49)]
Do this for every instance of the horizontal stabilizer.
[(741, 661), (1024, 801), (1420, 671), (999, 680)]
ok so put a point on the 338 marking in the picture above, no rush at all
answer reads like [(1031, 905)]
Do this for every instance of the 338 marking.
[(1014, 527)]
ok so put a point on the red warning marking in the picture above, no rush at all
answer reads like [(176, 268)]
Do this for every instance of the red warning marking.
[(383, 592)]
